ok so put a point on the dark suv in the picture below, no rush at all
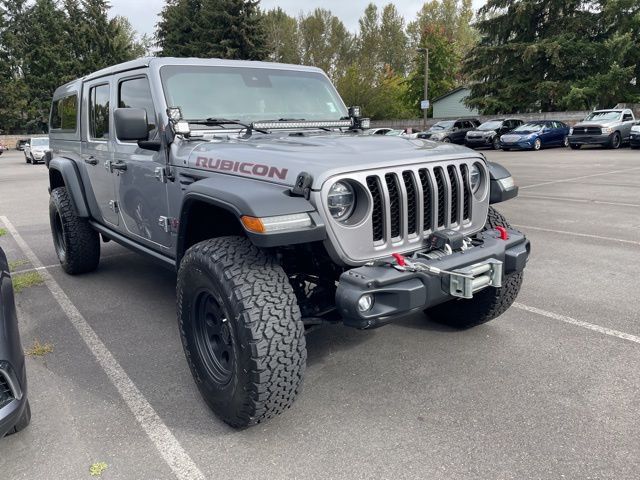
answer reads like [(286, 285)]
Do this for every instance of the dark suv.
[(450, 131), (15, 412), (488, 134)]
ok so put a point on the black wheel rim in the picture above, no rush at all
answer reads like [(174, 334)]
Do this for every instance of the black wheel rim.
[(58, 237), (213, 336), (616, 141)]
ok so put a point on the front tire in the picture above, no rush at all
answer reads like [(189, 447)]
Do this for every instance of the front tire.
[(496, 143), (485, 305), (77, 245), (574, 146), (241, 330), (537, 144), (616, 141)]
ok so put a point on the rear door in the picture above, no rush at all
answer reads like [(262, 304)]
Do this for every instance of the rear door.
[(142, 193), (458, 133), (96, 149)]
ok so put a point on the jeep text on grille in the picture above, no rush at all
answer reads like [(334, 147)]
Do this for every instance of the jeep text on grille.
[(256, 183)]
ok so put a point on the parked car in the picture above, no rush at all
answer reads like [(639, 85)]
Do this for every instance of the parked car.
[(634, 138), (35, 149), (273, 225), (536, 135), (378, 131), (453, 131), (395, 133), (609, 128), (21, 143), (488, 134), (15, 413)]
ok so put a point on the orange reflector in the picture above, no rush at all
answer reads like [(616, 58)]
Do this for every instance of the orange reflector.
[(253, 224)]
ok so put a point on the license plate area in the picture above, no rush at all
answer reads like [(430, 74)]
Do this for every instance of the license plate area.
[(464, 282)]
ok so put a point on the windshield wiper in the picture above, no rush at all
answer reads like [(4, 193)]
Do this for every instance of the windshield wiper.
[(221, 122)]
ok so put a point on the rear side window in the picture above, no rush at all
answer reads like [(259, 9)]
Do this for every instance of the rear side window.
[(136, 93), (99, 112), (626, 117), (64, 114)]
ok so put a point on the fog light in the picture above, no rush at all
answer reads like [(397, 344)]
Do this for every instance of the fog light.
[(365, 303)]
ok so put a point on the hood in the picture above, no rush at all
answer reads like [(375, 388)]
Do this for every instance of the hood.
[(279, 157), (602, 123)]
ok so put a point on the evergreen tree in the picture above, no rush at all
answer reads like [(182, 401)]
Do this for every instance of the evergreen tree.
[(545, 55), (212, 28), (393, 40)]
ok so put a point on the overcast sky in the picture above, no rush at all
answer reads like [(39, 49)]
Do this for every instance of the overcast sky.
[(143, 13)]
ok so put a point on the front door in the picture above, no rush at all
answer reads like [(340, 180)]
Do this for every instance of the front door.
[(142, 194), (96, 150)]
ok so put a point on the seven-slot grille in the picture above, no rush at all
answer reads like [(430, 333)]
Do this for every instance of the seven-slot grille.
[(412, 202), (6, 395)]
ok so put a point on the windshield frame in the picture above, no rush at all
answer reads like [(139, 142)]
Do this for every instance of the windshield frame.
[(342, 111)]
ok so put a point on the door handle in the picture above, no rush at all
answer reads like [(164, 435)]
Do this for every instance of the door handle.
[(91, 160), (121, 166)]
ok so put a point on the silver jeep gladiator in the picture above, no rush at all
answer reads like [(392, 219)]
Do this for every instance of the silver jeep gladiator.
[(256, 183)]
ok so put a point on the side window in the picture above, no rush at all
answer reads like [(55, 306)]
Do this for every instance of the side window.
[(64, 114), (457, 125), (136, 93), (99, 112), (627, 117)]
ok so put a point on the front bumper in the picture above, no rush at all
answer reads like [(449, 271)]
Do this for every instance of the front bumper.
[(13, 397), (519, 145), (477, 142), (396, 293), (590, 139), (634, 140)]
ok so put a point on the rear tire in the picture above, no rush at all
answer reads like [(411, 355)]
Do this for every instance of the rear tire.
[(485, 305), (446, 140), (574, 146), (496, 143), (24, 421), (241, 330), (27, 159), (77, 245)]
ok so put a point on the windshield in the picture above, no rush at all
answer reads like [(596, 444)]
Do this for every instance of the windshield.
[(492, 125), (40, 142), (442, 126), (529, 127), (250, 94), (603, 116)]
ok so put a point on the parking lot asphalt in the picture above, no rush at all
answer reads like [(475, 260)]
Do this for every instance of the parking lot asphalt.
[(549, 390)]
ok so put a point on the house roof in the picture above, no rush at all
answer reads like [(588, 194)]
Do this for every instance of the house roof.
[(456, 90)]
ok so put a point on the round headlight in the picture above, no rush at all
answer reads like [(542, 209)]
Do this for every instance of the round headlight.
[(475, 177), (341, 200)]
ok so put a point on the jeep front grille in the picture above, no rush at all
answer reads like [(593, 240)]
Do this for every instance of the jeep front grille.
[(440, 193), (6, 395)]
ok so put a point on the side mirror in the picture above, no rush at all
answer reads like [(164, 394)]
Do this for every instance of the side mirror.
[(131, 124)]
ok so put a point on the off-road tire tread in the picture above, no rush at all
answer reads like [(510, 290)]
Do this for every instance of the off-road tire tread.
[(81, 240), (487, 304), (267, 311)]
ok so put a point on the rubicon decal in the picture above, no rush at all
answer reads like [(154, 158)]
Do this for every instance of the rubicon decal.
[(247, 168)]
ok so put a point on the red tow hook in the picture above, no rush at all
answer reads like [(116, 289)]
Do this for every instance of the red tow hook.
[(503, 233), (400, 260)]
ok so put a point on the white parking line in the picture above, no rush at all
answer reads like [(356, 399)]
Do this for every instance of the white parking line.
[(57, 265), (586, 235), (579, 323), (580, 200), (170, 449), (579, 178)]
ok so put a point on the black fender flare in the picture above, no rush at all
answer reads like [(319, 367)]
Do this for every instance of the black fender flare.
[(241, 196), (68, 170), (499, 191)]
